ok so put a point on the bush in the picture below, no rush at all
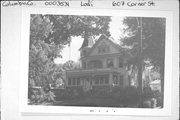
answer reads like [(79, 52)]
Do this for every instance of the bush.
[(100, 91), (147, 93), (126, 94), (68, 93), (38, 96), (158, 97)]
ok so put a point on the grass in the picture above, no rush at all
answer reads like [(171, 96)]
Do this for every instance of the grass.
[(94, 102)]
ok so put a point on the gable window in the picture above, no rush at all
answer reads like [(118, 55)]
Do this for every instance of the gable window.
[(110, 63), (103, 48)]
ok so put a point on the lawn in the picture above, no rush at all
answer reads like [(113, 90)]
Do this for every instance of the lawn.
[(94, 102)]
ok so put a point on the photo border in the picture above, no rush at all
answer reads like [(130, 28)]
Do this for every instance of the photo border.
[(38, 109)]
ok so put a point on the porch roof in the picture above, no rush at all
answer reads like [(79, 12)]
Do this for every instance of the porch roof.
[(84, 72)]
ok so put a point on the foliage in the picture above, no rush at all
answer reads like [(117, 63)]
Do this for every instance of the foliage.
[(70, 65), (59, 28), (145, 41), (48, 35), (126, 94), (38, 96), (153, 39), (147, 92)]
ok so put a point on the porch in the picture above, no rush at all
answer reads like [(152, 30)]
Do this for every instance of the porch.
[(92, 78)]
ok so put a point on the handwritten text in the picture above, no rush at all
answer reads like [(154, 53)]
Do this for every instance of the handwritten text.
[(57, 3), (17, 3), (88, 3), (133, 3)]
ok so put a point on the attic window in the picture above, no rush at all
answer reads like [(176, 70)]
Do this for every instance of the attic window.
[(104, 49)]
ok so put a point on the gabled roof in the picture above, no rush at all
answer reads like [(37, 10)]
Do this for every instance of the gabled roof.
[(104, 37)]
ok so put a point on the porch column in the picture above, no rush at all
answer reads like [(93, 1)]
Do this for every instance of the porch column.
[(110, 79)]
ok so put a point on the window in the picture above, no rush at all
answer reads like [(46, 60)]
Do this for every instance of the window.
[(120, 63), (106, 80), (84, 65), (121, 80), (110, 63), (95, 64), (101, 80), (74, 81), (96, 81), (115, 80), (103, 49), (69, 81), (78, 81)]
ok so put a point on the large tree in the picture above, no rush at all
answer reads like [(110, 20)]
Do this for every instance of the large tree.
[(49, 34), (145, 41)]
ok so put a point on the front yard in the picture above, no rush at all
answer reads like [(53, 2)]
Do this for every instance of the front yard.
[(118, 97), (94, 102)]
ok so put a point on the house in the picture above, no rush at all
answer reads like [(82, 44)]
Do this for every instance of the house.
[(102, 64)]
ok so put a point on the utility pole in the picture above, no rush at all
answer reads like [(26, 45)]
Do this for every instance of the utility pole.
[(140, 87)]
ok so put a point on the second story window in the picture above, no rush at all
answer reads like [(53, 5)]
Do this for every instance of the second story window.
[(110, 63), (84, 65), (120, 63), (95, 64)]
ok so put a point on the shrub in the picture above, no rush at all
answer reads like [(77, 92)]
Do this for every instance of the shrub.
[(38, 96), (157, 95), (126, 94), (147, 93)]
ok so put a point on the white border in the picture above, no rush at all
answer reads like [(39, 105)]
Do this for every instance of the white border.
[(25, 108)]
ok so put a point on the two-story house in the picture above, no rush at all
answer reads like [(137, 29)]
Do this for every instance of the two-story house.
[(102, 64)]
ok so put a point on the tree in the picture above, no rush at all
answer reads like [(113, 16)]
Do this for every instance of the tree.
[(145, 41), (49, 34)]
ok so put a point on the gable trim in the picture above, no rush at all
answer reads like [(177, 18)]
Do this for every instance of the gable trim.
[(101, 38)]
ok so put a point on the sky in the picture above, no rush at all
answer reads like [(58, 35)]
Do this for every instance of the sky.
[(73, 53)]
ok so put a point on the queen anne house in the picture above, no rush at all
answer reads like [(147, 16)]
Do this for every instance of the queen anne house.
[(102, 64)]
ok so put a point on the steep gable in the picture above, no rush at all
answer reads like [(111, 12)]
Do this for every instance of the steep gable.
[(104, 46)]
